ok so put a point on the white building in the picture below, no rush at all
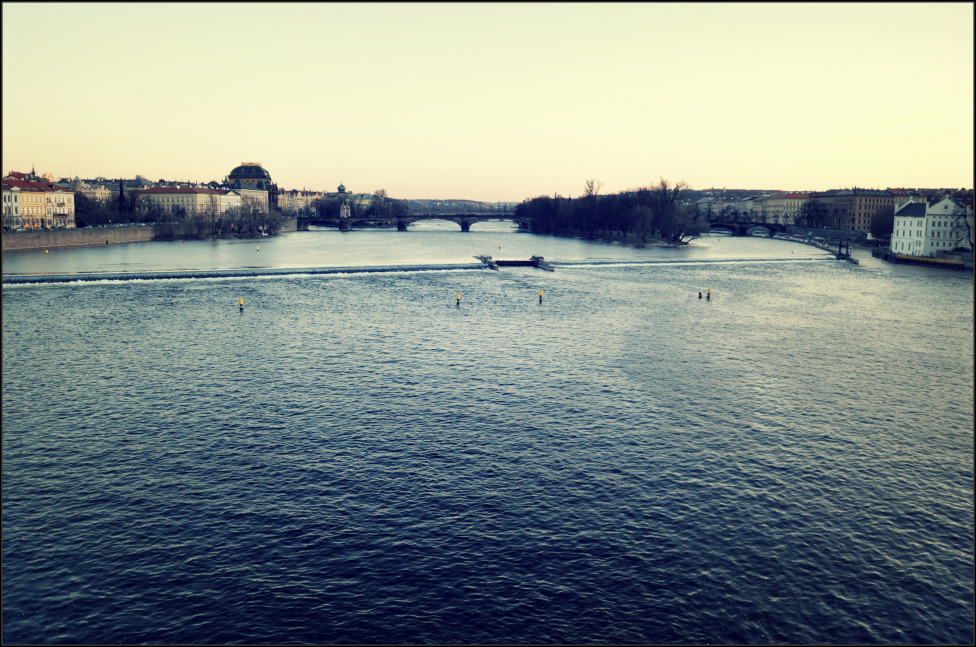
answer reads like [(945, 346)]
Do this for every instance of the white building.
[(11, 207), (230, 201), (931, 230), (212, 203)]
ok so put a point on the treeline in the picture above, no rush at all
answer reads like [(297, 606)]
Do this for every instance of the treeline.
[(247, 221), (654, 212), (239, 222), (380, 206)]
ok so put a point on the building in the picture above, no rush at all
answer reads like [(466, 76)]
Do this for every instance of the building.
[(11, 207), (703, 206), (903, 196), (783, 208), (747, 209), (855, 208), (361, 201), (295, 201), (42, 204), (254, 200), (932, 230), (250, 178), (193, 201)]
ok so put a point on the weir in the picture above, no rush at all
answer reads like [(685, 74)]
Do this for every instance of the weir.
[(535, 261), (235, 273)]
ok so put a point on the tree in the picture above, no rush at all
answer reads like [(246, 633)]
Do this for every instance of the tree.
[(673, 223), (962, 228), (813, 213), (882, 222), (379, 204), (89, 212), (728, 214)]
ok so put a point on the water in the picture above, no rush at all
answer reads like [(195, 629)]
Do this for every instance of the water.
[(357, 459)]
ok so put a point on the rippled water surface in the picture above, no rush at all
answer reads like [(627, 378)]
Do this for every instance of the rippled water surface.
[(357, 458)]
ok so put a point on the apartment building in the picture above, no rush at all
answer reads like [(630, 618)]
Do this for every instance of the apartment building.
[(855, 208), (783, 208), (41, 203), (297, 201)]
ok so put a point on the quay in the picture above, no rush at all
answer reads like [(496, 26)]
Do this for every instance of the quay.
[(843, 252), (892, 257)]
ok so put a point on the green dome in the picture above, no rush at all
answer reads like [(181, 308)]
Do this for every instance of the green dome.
[(249, 172)]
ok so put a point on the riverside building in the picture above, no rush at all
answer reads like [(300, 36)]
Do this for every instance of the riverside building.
[(932, 230), (194, 201), (41, 204)]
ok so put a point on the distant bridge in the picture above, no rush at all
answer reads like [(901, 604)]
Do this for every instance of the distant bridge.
[(745, 228), (465, 220)]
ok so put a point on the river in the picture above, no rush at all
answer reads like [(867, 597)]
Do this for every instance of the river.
[(363, 458)]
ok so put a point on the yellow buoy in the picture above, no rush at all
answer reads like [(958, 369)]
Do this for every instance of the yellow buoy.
[(241, 300), (259, 248), (45, 251)]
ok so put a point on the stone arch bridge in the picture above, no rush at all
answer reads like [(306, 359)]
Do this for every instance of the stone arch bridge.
[(465, 220)]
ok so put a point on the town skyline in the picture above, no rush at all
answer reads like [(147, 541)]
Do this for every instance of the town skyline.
[(496, 103)]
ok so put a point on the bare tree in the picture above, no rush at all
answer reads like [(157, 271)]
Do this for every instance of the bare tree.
[(664, 206), (962, 227)]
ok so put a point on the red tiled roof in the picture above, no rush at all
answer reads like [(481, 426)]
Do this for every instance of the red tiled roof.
[(32, 186), (173, 189)]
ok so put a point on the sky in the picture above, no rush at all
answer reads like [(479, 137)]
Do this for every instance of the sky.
[(494, 101)]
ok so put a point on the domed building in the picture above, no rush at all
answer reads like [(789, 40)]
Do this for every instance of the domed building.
[(249, 176), (254, 183)]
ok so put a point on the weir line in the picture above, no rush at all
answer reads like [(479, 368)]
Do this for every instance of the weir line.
[(119, 277)]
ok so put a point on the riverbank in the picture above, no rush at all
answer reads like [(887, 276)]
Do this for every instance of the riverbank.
[(89, 236), (85, 237), (630, 239)]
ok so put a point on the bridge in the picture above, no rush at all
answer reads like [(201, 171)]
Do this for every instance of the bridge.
[(465, 220), (745, 228)]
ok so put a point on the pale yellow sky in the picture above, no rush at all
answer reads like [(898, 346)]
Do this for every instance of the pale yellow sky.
[(494, 101)]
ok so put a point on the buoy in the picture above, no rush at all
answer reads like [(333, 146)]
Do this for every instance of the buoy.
[(259, 248), (241, 301), (45, 251), (540, 296), (458, 297)]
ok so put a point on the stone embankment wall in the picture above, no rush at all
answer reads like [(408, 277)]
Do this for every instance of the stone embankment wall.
[(88, 237)]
